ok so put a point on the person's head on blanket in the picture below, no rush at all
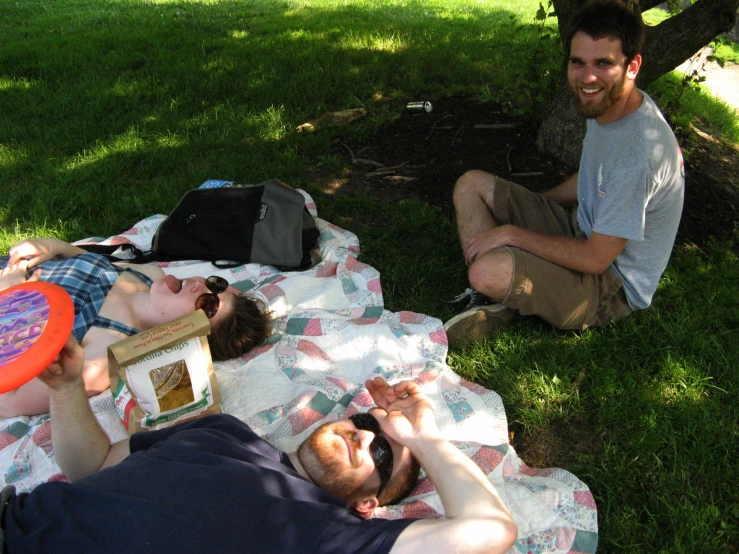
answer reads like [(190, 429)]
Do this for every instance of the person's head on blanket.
[(213, 485), (354, 459), (112, 301)]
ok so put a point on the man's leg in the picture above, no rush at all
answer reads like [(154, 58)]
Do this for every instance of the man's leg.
[(489, 275), (481, 202), (473, 204)]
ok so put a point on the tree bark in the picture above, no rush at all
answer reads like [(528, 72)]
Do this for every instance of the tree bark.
[(678, 38), (563, 130), (667, 45)]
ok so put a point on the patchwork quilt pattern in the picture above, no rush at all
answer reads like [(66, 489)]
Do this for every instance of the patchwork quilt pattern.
[(331, 333)]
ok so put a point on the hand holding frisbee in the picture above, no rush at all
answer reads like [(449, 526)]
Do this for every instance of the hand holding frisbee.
[(35, 321)]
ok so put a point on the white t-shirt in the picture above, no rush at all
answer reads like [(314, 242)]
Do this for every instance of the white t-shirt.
[(631, 185)]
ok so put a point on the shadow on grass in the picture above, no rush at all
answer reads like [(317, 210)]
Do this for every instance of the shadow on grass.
[(115, 109), (644, 411)]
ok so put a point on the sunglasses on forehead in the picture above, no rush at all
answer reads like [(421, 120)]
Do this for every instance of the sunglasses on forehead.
[(209, 302), (380, 450)]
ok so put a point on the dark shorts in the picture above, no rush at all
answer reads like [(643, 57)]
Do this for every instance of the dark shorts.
[(565, 298)]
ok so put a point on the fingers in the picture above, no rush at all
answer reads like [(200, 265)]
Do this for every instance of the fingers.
[(403, 389), (70, 360), (378, 388), (72, 350), (35, 277), (30, 251), (470, 253)]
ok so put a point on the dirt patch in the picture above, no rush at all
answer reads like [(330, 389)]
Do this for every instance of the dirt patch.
[(422, 155), (557, 445)]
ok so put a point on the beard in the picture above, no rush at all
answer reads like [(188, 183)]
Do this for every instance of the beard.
[(324, 458), (592, 111)]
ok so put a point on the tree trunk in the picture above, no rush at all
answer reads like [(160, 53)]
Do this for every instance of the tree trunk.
[(678, 38), (667, 45), (563, 130)]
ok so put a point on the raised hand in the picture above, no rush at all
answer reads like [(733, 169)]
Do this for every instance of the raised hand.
[(403, 411)]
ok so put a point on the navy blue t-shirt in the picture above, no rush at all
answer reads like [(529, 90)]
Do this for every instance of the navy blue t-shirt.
[(208, 485)]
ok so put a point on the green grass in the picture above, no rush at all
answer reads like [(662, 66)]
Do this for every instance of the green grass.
[(111, 109)]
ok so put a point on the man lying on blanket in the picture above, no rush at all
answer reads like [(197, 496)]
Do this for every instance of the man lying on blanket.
[(213, 485)]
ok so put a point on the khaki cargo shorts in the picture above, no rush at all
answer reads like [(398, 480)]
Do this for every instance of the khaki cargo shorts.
[(565, 298)]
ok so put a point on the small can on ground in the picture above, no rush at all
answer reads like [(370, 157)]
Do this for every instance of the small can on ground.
[(418, 107)]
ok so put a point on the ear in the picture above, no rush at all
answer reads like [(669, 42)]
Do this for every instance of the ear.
[(633, 68), (365, 507)]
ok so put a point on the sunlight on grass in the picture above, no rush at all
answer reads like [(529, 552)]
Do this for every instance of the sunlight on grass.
[(682, 382), (696, 104), (129, 141), (271, 123), (12, 233), (10, 156), (8, 84)]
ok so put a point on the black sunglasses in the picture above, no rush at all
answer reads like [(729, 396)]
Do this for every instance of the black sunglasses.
[(209, 302), (380, 450)]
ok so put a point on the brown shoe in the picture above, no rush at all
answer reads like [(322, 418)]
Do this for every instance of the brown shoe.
[(477, 323)]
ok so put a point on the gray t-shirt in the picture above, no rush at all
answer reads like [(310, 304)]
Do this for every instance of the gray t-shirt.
[(631, 185)]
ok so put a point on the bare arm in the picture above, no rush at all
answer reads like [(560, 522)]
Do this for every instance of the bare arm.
[(33, 397), (592, 255), (564, 194), (80, 444), (476, 518), (37, 251)]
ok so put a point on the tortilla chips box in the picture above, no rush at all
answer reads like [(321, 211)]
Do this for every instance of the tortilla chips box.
[(165, 375)]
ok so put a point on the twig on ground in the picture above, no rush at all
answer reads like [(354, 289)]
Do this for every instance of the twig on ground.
[(398, 178), (433, 127), (367, 162), (396, 166), (379, 172), (527, 174), (495, 126), (351, 152), (698, 248)]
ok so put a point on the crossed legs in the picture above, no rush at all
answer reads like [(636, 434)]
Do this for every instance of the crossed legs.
[(525, 283), (490, 274)]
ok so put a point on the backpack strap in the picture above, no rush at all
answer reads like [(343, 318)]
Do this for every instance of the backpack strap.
[(106, 250)]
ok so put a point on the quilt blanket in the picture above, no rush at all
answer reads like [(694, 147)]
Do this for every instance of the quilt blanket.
[(331, 333)]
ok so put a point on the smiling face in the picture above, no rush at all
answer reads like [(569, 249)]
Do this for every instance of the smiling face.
[(337, 458), (600, 78), (170, 298)]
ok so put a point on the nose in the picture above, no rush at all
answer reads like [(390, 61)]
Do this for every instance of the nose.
[(588, 76), (197, 285), (364, 438)]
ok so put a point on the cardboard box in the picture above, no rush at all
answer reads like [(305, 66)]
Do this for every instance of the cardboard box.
[(165, 375)]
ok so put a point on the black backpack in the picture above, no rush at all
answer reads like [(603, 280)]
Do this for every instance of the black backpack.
[(266, 224)]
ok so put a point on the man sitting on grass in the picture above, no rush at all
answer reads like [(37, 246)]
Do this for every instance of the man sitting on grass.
[(213, 485), (526, 253)]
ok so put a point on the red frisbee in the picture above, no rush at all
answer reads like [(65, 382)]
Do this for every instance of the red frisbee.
[(35, 321)]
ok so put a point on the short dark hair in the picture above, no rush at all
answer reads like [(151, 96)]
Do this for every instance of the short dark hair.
[(248, 326), (401, 484), (609, 19)]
